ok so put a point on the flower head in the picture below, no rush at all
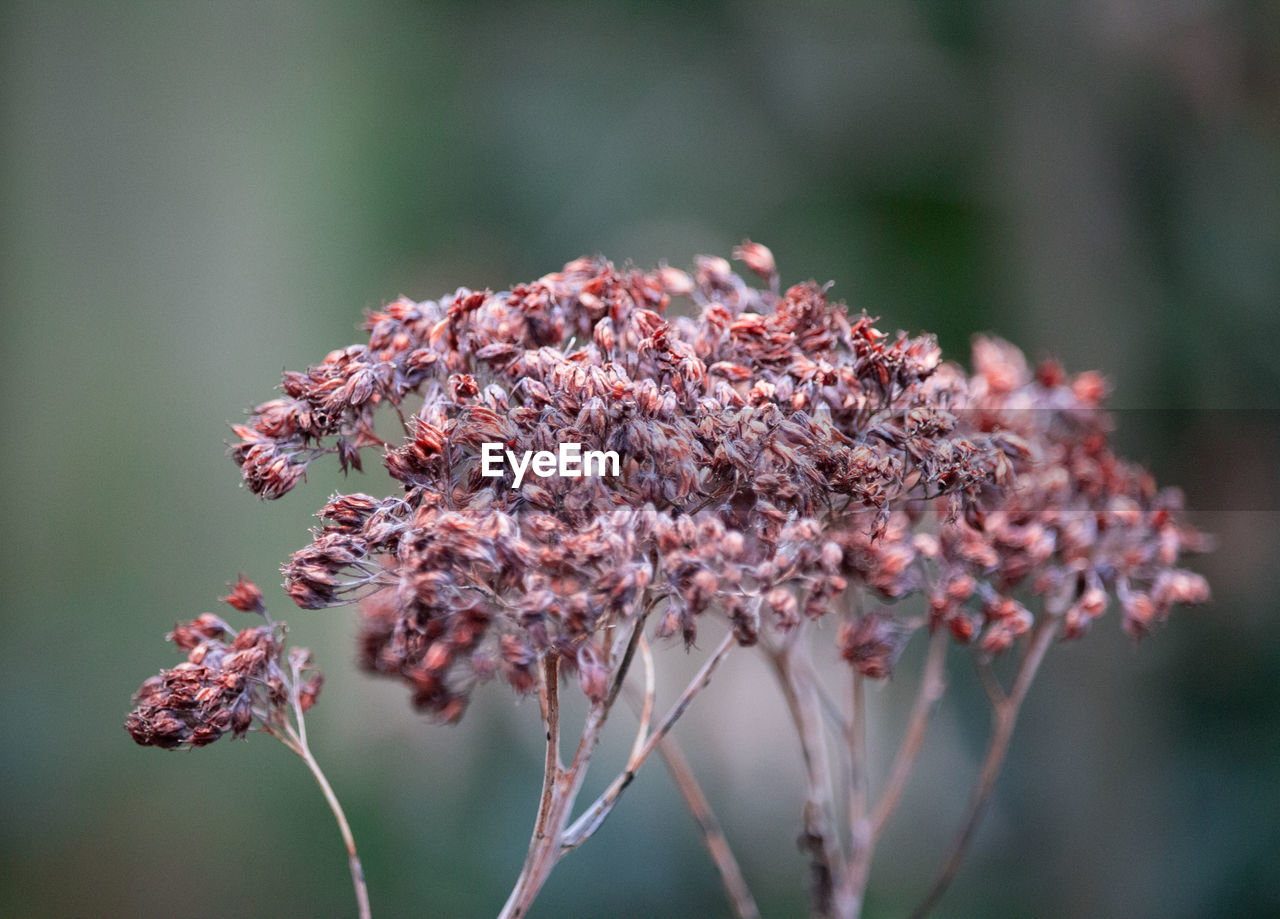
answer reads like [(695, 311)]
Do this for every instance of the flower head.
[(229, 682), (780, 458)]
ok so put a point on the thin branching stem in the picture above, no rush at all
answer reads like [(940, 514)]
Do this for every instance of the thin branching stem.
[(556, 784), (829, 891), (1004, 717), (859, 863), (549, 702), (561, 784), (591, 819), (735, 885), (646, 706), (713, 837), (932, 685), (297, 742)]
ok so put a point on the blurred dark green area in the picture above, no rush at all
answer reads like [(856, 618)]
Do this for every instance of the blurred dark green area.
[(197, 195)]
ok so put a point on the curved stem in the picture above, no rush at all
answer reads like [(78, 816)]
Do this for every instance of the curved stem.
[(646, 707), (353, 860), (1004, 718), (561, 785), (932, 686), (549, 699), (537, 864), (591, 819), (404, 422), (713, 837), (296, 740), (735, 885), (859, 864), (820, 839)]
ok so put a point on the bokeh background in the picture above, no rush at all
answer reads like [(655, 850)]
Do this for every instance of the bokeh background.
[(197, 195)]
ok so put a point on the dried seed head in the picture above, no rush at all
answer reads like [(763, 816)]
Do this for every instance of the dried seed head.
[(872, 644), (778, 455), (244, 596), (758, 258), (222, 686)]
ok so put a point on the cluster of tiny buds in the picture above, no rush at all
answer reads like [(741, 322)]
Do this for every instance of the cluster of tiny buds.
[(231, 682), (780, 459)]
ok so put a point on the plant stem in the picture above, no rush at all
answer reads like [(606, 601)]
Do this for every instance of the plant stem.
[(859, 864), (932, 685), (561, 785), (1004, 717), (549, 699), (735, 885), (357, 871), (555, 788), (713, 837), (820, 840), (594, 815), (296, 740), (645, 710)]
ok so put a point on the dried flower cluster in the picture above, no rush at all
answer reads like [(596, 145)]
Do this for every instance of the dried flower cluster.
[(239, 682), (1077, 524), (229, 682), (783, 461), (777, 453)]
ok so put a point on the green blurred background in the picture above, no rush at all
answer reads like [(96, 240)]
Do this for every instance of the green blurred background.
[(197, 195)]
